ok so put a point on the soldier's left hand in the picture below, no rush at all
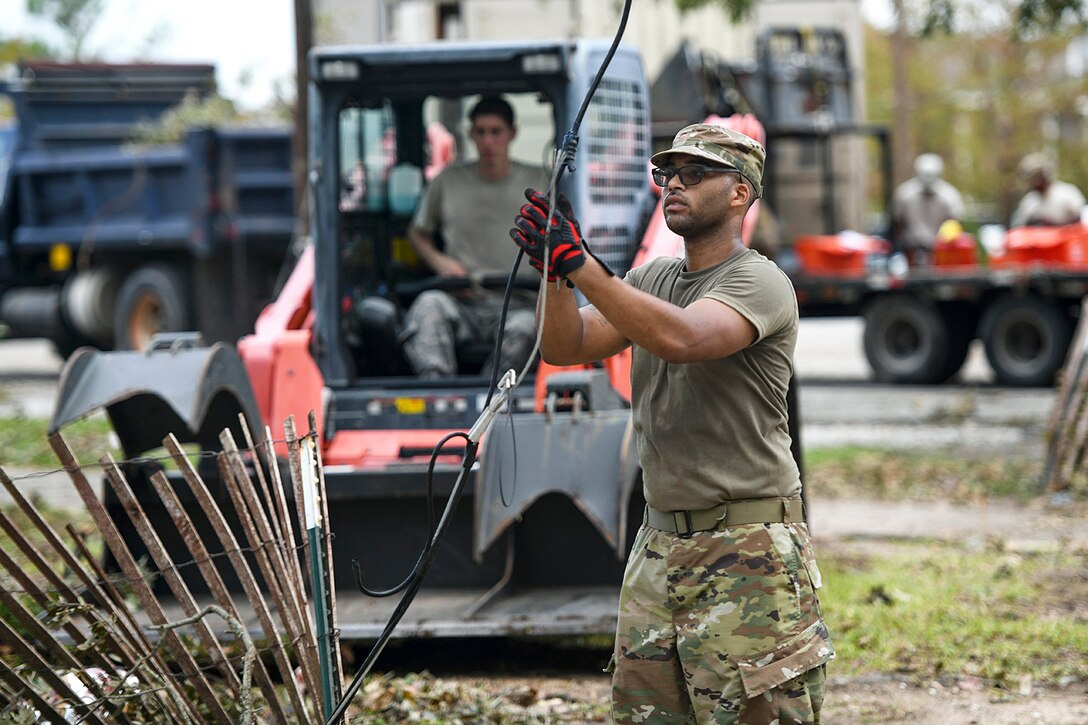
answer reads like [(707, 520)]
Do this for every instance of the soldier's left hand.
[(563, 241)]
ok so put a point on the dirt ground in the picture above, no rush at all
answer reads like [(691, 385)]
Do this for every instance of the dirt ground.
[(965, 701), (883, 701)]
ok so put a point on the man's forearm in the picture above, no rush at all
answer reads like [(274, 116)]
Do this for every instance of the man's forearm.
[(562, 335), (423, 244), (649, 322)]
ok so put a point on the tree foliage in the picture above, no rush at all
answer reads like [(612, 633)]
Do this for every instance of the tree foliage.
[(15, 49), (1051, 14), (736, 9), (75, 18), (1025, 18), (941, 16), (982, 100)]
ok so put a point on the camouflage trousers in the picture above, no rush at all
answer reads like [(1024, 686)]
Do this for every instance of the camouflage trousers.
[(723, 626), (438, 325)]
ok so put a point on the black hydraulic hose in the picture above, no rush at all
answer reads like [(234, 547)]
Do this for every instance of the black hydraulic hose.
[(414, 581), (380, 593)]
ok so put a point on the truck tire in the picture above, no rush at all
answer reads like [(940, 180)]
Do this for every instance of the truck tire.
[(152, 299), (1026, 340), (906, 341)]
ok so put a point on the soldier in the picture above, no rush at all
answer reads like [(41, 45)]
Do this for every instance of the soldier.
[(920, 205), (1048, 202), (469, 205), (719, 619)]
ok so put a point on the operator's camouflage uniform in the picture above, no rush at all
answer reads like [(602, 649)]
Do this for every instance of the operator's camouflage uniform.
[(438, 324), (756, 602)]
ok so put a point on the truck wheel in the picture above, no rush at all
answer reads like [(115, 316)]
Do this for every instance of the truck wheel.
[(1026, 340), (152, 299), (906, 341)]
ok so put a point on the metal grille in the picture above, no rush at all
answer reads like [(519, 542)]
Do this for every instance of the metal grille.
[(617, 149), (615, 245), (618, 144)]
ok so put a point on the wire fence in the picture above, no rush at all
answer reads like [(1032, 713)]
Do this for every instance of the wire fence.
[(74, 649)]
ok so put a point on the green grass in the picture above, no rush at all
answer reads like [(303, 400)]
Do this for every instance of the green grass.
[(905, 476), (932, 609), (24, 442)]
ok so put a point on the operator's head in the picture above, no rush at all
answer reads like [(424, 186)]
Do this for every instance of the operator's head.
[(721, 147), (1036, 170), (492, 127), (928, 168)]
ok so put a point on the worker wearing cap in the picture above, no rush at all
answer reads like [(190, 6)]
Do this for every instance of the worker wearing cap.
[(920, 205), (1048, 202), (468, 205), (719, 619)]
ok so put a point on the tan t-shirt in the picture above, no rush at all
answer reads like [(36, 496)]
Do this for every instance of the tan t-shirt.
[(716, 430), (474, 215)]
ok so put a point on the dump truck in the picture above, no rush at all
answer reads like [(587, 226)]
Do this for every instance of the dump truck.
[(105, 240)]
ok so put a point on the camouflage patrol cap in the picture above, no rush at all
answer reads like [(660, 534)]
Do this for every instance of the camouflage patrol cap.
[(723, 146)]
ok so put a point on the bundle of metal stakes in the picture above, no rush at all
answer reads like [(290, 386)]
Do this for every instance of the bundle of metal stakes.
[(74, 649), (1067, 429)]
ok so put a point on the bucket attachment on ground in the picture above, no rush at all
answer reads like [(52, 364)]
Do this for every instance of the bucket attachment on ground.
[(175, 387)]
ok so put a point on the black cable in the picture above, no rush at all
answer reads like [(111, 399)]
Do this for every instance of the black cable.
[(414, 583), (378, 594), (497, 349), (507, 503)]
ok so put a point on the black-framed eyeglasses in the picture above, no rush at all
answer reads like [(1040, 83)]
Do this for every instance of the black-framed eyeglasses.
[(689, 175)]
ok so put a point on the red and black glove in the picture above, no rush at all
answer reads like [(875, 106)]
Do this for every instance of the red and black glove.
[(564, 241)]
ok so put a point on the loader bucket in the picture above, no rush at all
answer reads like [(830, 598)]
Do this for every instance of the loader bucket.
[(192, 392)]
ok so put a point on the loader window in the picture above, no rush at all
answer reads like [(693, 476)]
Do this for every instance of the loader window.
[(368, 150), (389, 151)]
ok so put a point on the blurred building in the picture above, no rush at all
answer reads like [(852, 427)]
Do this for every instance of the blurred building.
[(656, 28)]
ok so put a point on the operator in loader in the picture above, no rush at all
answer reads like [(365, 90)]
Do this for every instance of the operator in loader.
[(920, 205), (469, 205), (1048, 202), (719, 619)]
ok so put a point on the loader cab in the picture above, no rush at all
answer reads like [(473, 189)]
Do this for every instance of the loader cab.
[(388, 151), (385, 120)]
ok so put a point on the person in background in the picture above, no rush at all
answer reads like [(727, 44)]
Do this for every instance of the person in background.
[(719, 618), (920, 205), (1048, 202), (469, 205)]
